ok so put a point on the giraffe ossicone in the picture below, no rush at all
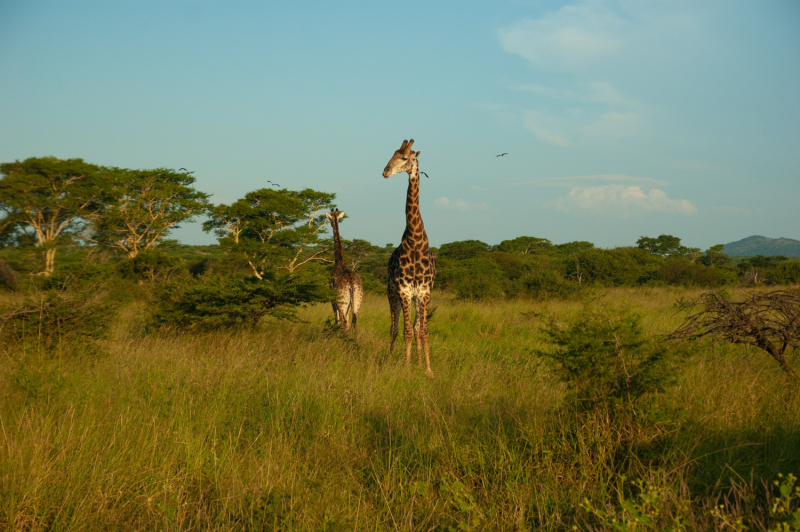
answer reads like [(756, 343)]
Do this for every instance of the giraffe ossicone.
[(412, 266), (346, 283)]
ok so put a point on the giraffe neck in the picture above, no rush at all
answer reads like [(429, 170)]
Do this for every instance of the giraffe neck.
[(338, 254), (415, 231)]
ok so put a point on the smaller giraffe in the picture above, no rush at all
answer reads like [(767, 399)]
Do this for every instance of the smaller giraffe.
[(345, 281)]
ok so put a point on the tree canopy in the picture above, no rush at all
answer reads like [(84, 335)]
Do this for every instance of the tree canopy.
[(144, 206), (51, 199)]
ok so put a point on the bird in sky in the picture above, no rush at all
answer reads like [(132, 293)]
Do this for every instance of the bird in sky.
[(273, 184), (426, 175), (184, 169), (502, 154)]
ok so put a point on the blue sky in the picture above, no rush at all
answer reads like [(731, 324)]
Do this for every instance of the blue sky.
[(621, 119)]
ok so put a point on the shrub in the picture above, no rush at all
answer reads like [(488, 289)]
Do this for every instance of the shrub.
[(215, 301), (9, 278), (67, 307), (603, 356), (150, 265)]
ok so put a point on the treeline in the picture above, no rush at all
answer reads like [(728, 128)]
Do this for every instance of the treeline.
[(112, 226)]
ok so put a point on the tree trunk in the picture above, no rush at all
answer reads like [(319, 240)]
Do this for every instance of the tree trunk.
[(49, 261)]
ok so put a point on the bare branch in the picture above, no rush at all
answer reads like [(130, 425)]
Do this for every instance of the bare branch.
[(767, 320)]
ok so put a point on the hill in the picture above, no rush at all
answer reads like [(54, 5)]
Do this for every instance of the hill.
[(761, 245)]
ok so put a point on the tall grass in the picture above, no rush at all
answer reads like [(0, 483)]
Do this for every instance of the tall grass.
[(296, 426)]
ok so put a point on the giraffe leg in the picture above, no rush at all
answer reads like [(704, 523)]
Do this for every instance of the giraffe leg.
[(335, 312), (343, 310), (395, 308), (418, 329), (423, 310), (408, 332), (358, 294)]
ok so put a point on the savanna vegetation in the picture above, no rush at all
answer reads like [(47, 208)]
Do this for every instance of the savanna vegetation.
[(148, 385)]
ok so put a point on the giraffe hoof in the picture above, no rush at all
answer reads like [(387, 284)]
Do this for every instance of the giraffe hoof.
[(429, 373)]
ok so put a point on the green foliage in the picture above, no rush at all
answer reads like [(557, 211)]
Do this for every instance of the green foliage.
[(150, 266), (787, 273), (49, 199), (642, 512), (145, 206), (273, 229), (9, 278), (624, 266), (463, 250), (603, 356), (525, 245), (70, 310), (715, 256), (219, 300), (682, 273), (786, 507)]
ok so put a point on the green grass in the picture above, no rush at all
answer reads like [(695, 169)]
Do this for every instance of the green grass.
[(296, 426)]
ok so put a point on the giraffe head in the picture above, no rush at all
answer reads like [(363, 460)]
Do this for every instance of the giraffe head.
[(402, 160), (335, 216)]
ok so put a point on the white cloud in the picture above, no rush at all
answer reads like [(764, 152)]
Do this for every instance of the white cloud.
[(574, 125), (621, 201), (570, 38), (546, 127), (569, 181), (460, 205), (593, 91)]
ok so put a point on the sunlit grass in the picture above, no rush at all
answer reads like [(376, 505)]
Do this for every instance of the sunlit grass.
[(296, 426)]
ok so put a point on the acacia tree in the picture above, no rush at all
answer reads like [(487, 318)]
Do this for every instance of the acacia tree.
[(767, 320), (273, 229), (51, 198), (146, 206)]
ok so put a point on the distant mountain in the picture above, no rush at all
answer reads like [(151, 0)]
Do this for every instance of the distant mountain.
[(761, 245)]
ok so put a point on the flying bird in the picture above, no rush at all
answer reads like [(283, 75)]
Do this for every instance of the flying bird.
[(426, 175), (502, 154), (273, 184), (179, 169)]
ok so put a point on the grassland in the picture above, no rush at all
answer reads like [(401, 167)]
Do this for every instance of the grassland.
[(295, 426)]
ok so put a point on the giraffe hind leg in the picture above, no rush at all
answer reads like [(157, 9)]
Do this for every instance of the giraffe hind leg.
[(358, 294), (395, 308), (423, 308)]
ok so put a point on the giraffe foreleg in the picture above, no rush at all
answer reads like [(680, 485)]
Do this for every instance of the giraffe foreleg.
[(418, 329), (423, 316), (408, 332)]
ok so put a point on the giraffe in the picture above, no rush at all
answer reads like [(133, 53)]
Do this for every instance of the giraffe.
[(412, 266), (345, 281)]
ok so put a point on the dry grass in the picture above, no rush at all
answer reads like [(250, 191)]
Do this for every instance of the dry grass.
[(298, 427)]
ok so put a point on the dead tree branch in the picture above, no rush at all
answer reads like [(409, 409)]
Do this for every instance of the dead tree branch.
[(767, 320)]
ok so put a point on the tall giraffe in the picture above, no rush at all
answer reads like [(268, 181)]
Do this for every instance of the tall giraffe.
[(412, 266), (345, 281)]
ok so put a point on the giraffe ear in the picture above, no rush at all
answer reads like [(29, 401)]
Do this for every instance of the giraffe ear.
[(330, 217), (417, 155), (340, 216)]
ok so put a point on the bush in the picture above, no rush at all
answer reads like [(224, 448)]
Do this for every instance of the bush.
[(150, 265), (9, 278), (786, 273), (215, 301), (604, 357), (70, 310)]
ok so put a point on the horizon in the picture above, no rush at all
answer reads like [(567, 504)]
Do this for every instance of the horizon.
[(620, 119)]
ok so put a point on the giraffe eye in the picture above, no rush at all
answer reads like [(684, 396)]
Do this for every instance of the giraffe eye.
[(405, 158)]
